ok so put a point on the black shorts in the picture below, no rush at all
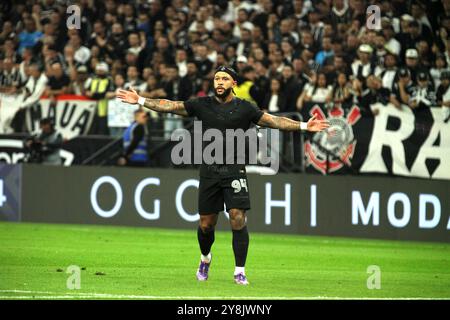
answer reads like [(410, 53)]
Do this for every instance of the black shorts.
[(214, 192)]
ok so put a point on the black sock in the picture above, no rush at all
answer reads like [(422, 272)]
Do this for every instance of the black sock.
[(205, 239), (240, 246)]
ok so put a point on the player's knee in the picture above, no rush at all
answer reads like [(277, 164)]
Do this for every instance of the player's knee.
[(207, 225), (237, 219), (207, 228)]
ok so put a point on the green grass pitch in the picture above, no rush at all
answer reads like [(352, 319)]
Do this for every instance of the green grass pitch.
[(148, 263)]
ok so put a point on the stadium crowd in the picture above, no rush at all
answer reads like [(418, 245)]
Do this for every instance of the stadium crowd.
[(287, 53)]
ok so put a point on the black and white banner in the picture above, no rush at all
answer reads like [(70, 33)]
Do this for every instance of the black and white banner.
[(402, 142), (71, 114)]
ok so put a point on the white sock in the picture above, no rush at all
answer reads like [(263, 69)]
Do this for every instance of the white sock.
[(238, 270), (207, 258)]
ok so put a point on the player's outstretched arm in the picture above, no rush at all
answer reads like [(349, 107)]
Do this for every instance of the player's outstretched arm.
[(159, 105), (283, 123)]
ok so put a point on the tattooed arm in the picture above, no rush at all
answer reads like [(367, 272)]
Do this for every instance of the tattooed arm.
[(286, 124), (165, 106), (158, 105)]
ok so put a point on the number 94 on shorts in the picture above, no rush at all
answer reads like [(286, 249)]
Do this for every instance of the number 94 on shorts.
[(214, 192)]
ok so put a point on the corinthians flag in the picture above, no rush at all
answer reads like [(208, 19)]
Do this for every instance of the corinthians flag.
[(405, 142)]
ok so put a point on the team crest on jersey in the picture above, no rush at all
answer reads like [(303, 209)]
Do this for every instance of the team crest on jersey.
[(337, 143)]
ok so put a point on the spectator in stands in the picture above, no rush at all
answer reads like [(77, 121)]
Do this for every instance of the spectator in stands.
[(27, 58), (241, 63), (412, 63), (246, 88), (380, 49), (307, 42), (242, 22), (7, 31), (423, 94), (133, 79), (415, 35), (176, 89), (204, 65), (287, 49), (78, 86), (318, 91), (316, 25), (51, 56), (202, 17), (181, 60), (402, 88), (58, 81), (29, 37), (392, 44), (262, 82), (340, 13), (374, 93), (68, 62), (193, 78), (291, 88), (32, 91), (363, 67), (388, 71), (426, 57), (243, 46), (128, 19), (341, 94), (134, 43), (206, 89), (440, 66), (274, 101), (10, 77), (135, 142), (152, 88), (301, 71), (325, 56), (97, 87), (82, 54), (117, 44), (98, 37), (443, 87)]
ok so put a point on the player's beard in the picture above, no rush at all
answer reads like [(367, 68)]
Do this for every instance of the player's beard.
[(224, 94)]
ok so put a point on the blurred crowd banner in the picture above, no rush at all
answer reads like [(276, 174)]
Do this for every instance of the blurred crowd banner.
[(72, 115), (404, 142), (385, 140), (350, 206)]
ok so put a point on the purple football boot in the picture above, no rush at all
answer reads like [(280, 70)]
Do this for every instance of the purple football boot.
[(203, 269), (241, 279)]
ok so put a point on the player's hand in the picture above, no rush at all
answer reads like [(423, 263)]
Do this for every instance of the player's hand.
[(317, 125), (129, 96)]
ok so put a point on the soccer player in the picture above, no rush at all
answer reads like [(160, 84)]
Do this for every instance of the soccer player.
[(218, 181)]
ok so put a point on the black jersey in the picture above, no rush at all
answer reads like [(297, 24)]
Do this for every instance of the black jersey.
[(237, 114)]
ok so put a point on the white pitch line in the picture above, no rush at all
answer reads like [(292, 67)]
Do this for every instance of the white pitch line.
[(80, 295)]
